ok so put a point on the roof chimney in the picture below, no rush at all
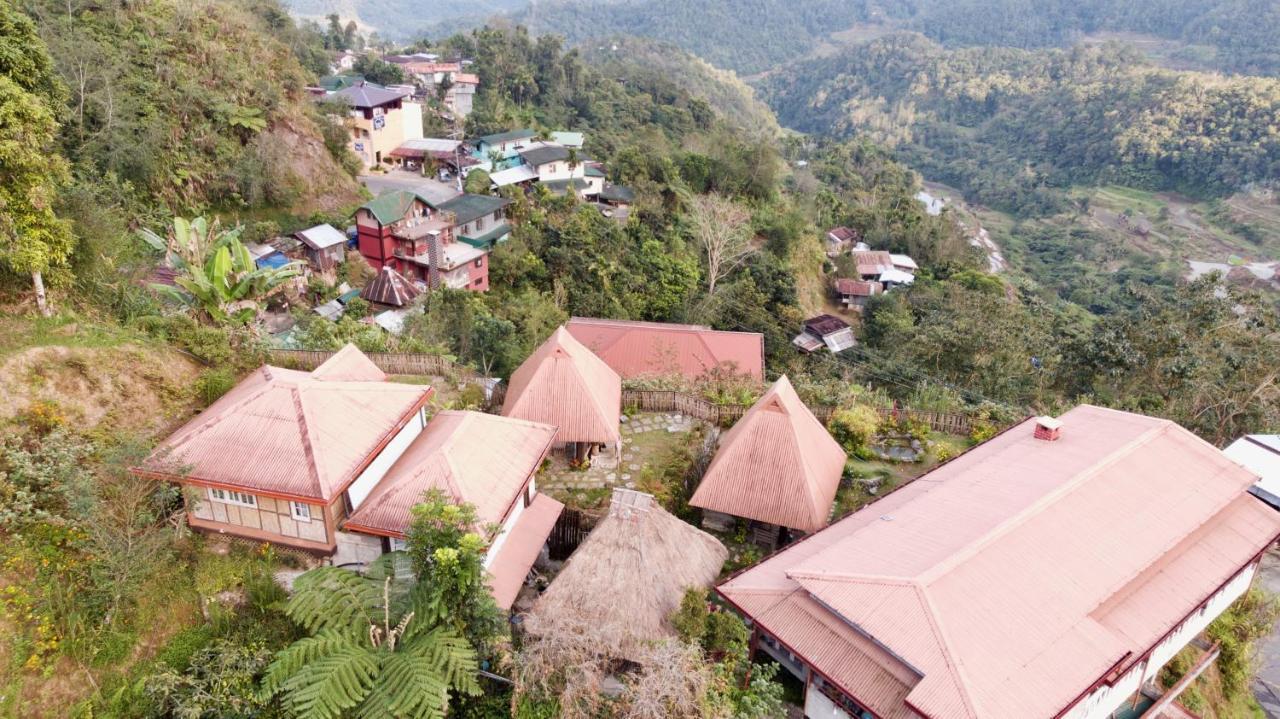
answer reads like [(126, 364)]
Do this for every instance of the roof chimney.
[(1048, 428)]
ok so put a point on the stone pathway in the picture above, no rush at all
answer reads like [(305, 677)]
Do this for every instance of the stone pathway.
[(627, 470)]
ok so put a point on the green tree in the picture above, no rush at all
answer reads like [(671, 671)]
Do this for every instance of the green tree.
[(379, 647), (854, 427), (219, 279), (33, 240), (447, 544), (477, 183)]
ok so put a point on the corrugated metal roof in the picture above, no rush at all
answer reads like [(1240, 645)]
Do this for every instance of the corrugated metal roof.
[(563, 384), (321, 236), (1017, 574), (650, 349), (478, 458), (872, 262), (292, 433), (521, 548), (390, 288), (777, 464)]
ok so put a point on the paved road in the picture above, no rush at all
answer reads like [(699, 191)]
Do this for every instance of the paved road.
[(1267, 686), (430, 188)]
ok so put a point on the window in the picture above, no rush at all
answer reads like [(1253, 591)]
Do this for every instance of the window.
[(398, 545), (480, 262), (479, 224), (231, 496), (300, 511), (554, 167), (479, 281)]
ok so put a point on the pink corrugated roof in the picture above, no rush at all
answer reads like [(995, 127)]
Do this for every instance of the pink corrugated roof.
[(777, 464), (563, 384), (520, 549), (349, 364), (474, 457), (648, 349), (1016, 575), (291, 433)]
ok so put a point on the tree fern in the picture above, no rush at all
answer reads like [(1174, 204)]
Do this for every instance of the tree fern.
[(371, 655)]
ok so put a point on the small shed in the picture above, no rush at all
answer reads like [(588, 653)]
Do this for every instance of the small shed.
[(325, 245), (840, 239), (777, 466), (627, 577), (825, 331), (565, 385), (854, 294)]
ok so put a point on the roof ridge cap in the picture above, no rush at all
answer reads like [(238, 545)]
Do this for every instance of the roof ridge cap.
[(308, 448), (966, 552), (954, 668)]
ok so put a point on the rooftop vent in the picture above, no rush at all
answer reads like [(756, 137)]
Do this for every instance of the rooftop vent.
[(1048, 428)]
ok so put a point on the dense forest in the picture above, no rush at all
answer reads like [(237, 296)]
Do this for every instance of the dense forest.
[(1236, 36), (1008, 126)]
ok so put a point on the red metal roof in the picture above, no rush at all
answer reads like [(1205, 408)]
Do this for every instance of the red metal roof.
[(872, 262), (474, 457), (647, 349), (520, 549), (1015, 576), (292, 433), (563, 384), (858, 288), (777, 465)]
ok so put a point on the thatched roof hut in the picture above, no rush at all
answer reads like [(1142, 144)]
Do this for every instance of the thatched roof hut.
[(627, 577)]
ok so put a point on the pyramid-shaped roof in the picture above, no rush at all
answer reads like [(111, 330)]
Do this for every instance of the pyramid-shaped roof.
[(564, 385), (778, 465), (390, 288), (292, 434), (478, 458)]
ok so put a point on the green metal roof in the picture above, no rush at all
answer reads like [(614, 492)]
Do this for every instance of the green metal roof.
[(509, 135), (333, 83), (617, 193), (488, 239), (469, 207), (593, 171), (561, 186), (392, 206)]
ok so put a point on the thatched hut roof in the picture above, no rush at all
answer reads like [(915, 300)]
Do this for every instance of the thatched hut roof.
[(627, 577)]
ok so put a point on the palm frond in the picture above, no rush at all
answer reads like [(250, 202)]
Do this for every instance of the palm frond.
[(329, 598), (330, 685), (293, 658), (449, 654)]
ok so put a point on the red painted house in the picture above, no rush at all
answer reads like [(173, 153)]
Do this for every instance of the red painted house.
[(401, 229)]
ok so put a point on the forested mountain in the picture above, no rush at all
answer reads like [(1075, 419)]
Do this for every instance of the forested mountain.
[(1008, 126), (401, 19), (1238, 36), (635, 57)]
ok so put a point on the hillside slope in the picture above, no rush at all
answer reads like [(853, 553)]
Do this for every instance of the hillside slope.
[(192, 103)]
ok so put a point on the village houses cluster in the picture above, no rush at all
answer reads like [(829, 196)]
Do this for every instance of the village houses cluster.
[(1050, 571)]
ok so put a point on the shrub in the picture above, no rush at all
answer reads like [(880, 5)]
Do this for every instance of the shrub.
[(853, 428), (725, 634), (213, 383), (357, 309), (981, 432), (690, 620)]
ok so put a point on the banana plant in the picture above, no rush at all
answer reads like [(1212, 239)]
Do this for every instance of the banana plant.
[(217, 279)]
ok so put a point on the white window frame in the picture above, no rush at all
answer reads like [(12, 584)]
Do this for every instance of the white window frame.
[(398, 544), (300, 511), (230, 496)]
